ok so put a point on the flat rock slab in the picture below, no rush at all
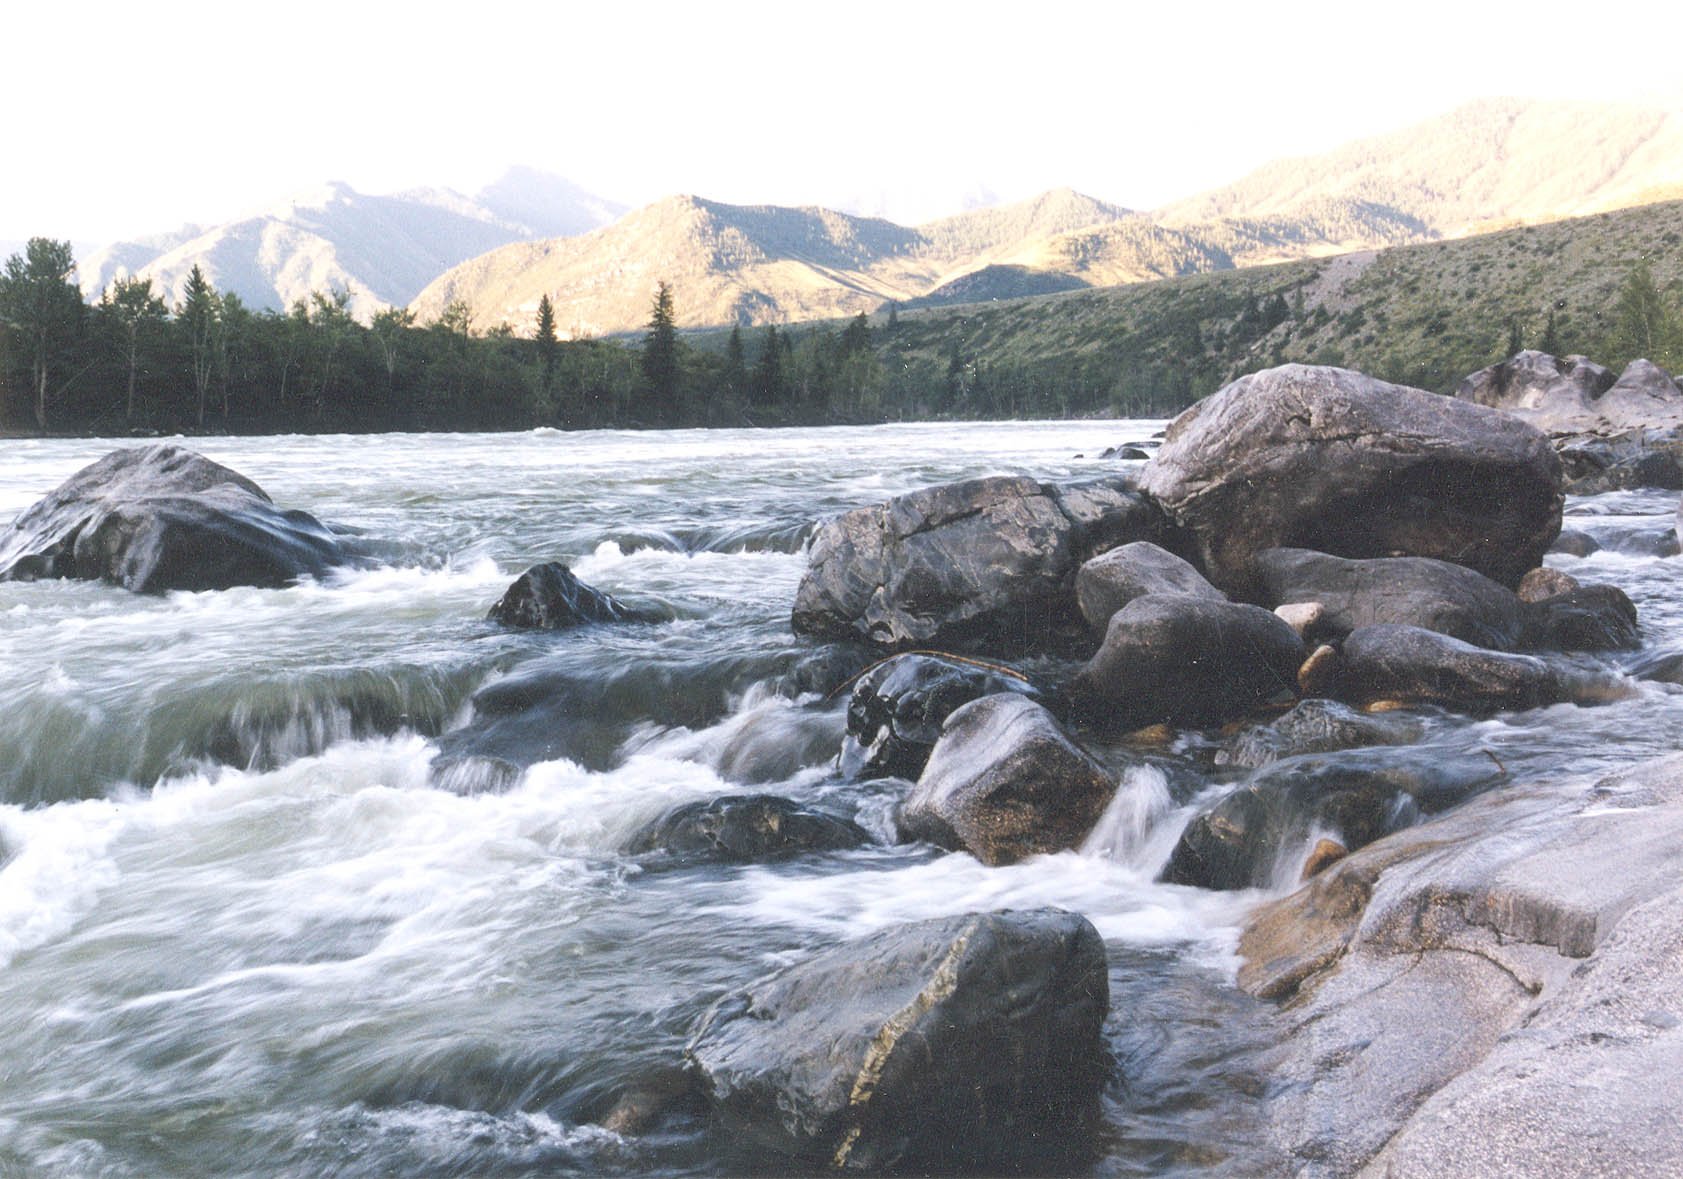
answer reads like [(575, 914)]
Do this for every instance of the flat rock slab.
[(162, 518), (968, 1043), (1333, 460), (1490, 993)]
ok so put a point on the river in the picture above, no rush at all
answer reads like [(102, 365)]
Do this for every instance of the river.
[(251, 924)]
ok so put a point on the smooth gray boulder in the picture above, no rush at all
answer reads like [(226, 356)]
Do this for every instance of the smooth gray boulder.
[(1181, 659), (982, 560), (161, 518), (550, 597), (1644, 397), (898, 707), (1411, 665), (1414, 591), (1333, 460), (1112, 579), (962, 1044), (1005, 782), (1555, 394), (1490, 993), (744, 829), (1595, 617)]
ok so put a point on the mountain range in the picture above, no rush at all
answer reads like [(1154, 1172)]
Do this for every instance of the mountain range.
[(1486, 165)]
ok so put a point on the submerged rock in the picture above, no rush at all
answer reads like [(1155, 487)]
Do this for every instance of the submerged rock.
[(1415, 591), (898, 707), (1585, 618), (1240, 842), (745, 829), (1005, 782), (1111, 580), (1575, 543), (162, 518), (1188, 660), (550, 597), (983, 560), (1332, 460), (1315, 726), (967, 1043)]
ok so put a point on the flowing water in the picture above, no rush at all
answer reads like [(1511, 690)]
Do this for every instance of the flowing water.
[(259, 913)]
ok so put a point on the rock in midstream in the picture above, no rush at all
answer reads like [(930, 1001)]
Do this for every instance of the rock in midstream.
[(161, 518), (1412, 665), (744, 829), (1336, 461), (1481, 995), (1005, 782), (985, 561), (1180, 659), (550, 597), (1316, 726), (968, 1043), (897, 709)]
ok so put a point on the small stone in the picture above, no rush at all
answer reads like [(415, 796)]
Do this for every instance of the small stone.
[(1324, 855), (1543, 583), (1302, 617), (1319, 674)]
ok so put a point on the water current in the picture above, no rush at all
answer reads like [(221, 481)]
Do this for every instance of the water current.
[(259, 913)]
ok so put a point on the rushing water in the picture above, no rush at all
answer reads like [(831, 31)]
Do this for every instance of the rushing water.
[(251, 924)]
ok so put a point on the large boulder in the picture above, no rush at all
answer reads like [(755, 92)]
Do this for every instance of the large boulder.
[(1112, 579), (986, 559), (898, 707), (1414, 591), (1411, 665), (1329, 459), (962, 1044), (1176, 658), (550, 597), (744, 829), (1005, 782), (1644, 397), (161, 518), (1596, 617), (1555, 394)]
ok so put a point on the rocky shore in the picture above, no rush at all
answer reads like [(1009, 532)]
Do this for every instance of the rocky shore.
[(1312, 568)]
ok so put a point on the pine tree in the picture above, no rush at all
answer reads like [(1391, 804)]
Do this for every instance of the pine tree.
[(660, 358), (736, 365), (38, 300), (768, 373), (549, 344), (1551, 335), (1644, 325), (197, 316)]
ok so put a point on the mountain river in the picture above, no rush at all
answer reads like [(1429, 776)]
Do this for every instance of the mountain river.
[(262, 912)]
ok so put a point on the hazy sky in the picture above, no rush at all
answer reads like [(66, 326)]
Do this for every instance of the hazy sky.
[(124, 119)]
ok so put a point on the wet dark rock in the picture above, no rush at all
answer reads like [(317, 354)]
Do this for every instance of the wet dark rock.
[(1124, 453), (162, 518), (1315, 726), (1414, 591), (745, 829), (828, 669), (1005, 782), (898, 707), (962, 1044), (1187, 660), (1332, 460), (1588, 618), (549, 597), (1574, 543), (1414, 665), (1360, 796), (1112, 579), (1537, 925), (1662, 666), (1638, 540), (1597, 463), (986, 560), (1544, 583)]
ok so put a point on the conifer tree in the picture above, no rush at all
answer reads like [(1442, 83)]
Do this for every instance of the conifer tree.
[(40, 303), (197, 316), (660, 358), (549, 344)]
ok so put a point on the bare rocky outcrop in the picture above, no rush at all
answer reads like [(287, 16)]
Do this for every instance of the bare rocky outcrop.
[(1555, 394), (1005, 782), (963, 1044), (1552, 1043), (162, 518), (982, 560), (1332, 460)]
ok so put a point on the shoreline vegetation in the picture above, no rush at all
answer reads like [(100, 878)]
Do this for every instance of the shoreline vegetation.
[(1609, 285)]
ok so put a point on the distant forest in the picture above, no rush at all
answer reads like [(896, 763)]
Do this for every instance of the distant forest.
[(133, 364)]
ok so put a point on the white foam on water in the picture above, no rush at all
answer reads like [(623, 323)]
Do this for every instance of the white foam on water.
[(57, 863)]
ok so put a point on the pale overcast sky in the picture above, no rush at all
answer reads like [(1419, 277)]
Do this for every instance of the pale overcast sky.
[(124, 119)]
